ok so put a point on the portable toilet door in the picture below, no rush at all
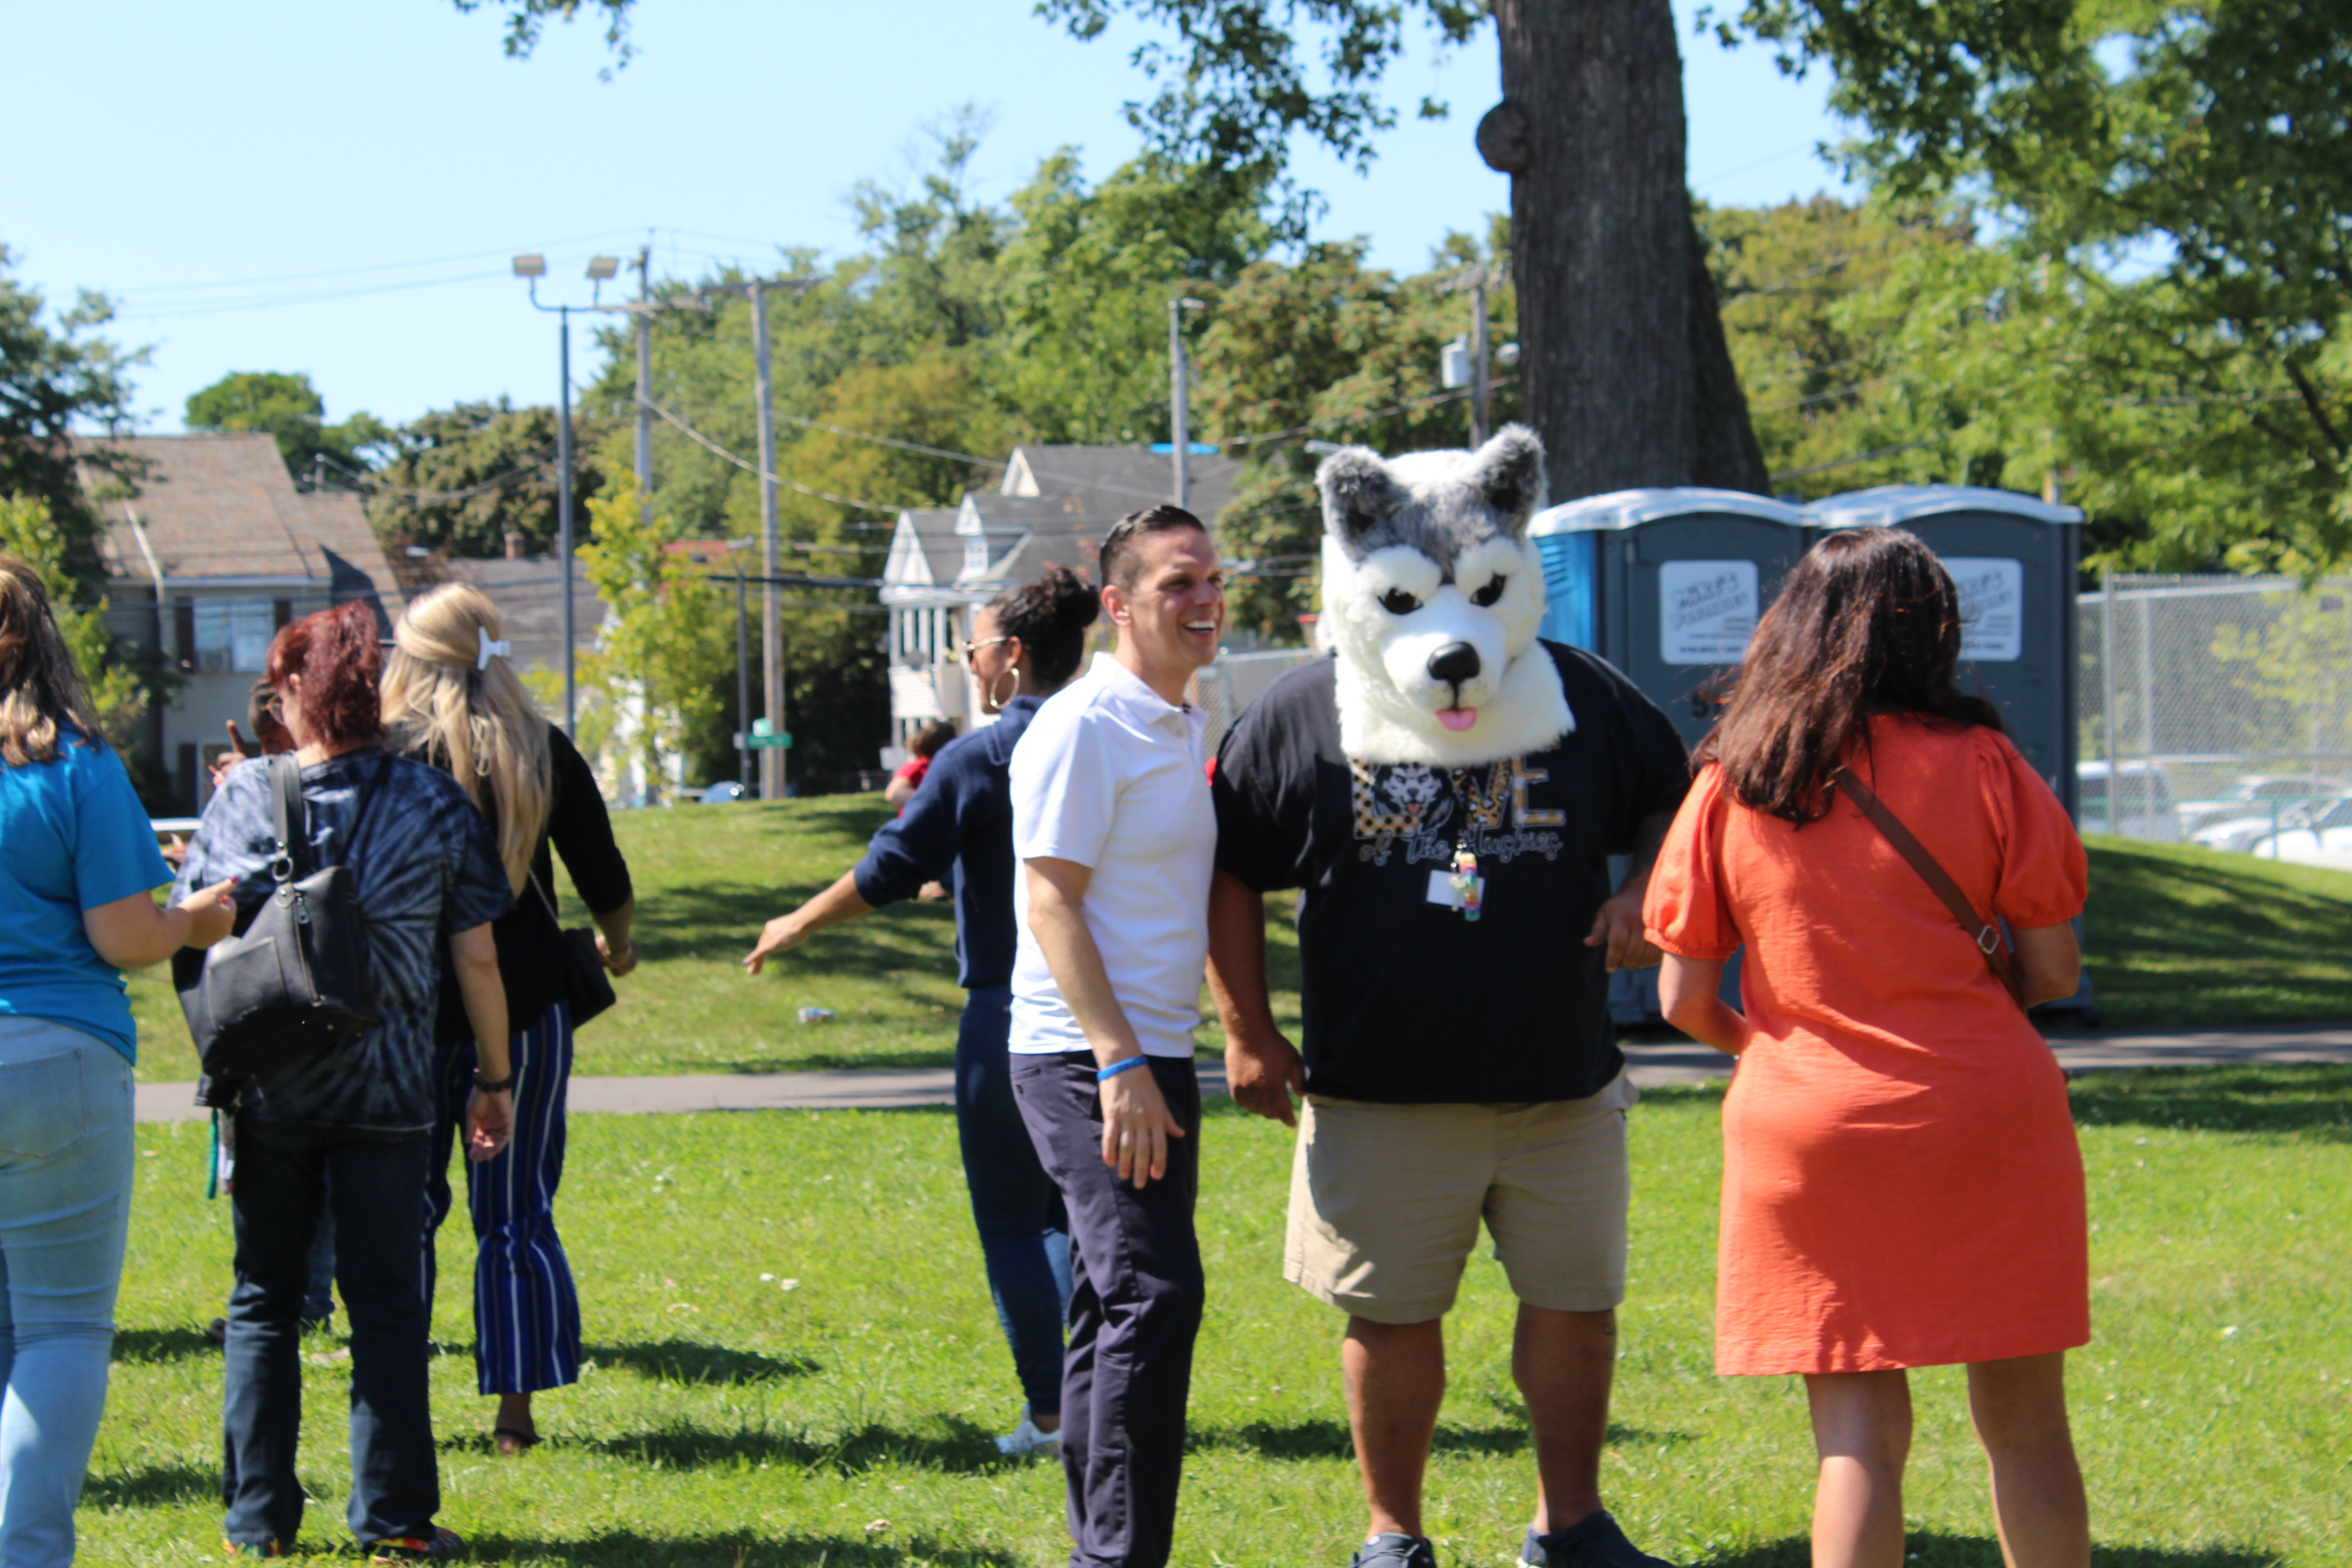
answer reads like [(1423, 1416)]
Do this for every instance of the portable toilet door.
[(1667, 585), (2014, 559)]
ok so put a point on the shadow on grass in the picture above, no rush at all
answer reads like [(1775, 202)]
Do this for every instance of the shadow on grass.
[(965, 1448), (737, 1549), (2184, 935), (153, 1486), (147, 1347), (1936, 1549), (692, 1361), (1327, 1438), (2311, 1100)]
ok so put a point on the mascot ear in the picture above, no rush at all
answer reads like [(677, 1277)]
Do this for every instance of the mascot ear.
[(1358, 492), (1508, 471)]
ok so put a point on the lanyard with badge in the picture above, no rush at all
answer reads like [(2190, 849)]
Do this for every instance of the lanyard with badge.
[(1464, 887)]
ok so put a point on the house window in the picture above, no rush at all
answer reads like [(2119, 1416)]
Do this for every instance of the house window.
[(233, 635)]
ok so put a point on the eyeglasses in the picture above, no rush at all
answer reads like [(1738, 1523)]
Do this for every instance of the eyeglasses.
[(960, 653)]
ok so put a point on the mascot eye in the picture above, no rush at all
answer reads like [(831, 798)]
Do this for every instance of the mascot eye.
[(1492, 592), (1397, 602)]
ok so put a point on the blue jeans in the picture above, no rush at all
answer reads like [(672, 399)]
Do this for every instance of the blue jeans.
[(65, 1207), (1024, 1237), (285, 1178)]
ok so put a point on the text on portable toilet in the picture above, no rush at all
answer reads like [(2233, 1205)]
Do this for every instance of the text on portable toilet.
[(1706, 611), (1992, 605)]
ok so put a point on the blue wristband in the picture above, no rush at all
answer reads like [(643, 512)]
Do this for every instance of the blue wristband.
[(1117, 1068)]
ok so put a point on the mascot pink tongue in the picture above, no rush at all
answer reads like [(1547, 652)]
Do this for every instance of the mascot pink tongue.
[(1458, 720)]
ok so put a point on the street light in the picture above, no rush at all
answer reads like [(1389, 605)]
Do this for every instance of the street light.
[(531, 266), (1180, 392)]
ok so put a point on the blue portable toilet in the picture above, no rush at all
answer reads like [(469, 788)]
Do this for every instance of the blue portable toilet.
[(1667, 585), (2014, 559)]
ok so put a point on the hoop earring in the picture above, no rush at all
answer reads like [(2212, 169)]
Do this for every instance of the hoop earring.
[(996, 703)]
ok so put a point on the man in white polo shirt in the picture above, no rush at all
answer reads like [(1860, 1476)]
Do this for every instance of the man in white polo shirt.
[(1116, 837)]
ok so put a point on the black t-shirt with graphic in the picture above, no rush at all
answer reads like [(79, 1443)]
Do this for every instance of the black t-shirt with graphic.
[(1406, 1001)]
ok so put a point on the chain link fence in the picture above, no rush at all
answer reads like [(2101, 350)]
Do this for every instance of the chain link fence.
[(2218, 711)]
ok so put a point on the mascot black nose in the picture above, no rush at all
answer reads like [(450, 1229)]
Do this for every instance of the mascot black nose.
[(1454, 663)]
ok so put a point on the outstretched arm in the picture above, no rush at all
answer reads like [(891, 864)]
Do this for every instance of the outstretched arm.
[(837, 903)]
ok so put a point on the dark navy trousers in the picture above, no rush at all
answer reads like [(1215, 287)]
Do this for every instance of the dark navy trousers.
[(1024, 1237), (526, 1310), (1135, 1308)]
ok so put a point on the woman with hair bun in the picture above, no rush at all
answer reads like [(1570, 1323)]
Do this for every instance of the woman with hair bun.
[(350, 1127), (450, 700), (1026, 644)]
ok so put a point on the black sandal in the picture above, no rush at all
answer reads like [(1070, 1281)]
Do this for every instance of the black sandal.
[(512, 1440)]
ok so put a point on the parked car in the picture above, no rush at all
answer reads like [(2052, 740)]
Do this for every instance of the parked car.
[(2323, 840), (721, 793), (2138, 805), (2259, 821), (2252, 795)]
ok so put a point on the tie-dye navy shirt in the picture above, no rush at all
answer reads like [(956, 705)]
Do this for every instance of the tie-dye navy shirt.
[(426, 867)]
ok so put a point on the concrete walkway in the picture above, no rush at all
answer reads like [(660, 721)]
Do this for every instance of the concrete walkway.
[(1654, 1064)]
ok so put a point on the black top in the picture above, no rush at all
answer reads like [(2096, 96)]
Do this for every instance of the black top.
[(1405, 1000), (959, 820), (530, 943)]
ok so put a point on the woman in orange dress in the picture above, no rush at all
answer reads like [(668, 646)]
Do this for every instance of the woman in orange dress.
[(1901, 1184)]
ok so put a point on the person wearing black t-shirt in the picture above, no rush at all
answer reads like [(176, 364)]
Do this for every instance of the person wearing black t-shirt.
[(1459, 1059)]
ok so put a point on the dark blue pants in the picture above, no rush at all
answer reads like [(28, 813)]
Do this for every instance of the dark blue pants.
[(1025, 1235), (526, 1308), (1134, 1308), (286, 1177)]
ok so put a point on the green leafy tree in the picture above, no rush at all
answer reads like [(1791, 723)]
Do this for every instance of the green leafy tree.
[(57, 378), (289, 408), (667, 639), (462, 479)]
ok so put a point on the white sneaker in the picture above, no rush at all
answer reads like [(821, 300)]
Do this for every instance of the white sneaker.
[(1027, 1439)]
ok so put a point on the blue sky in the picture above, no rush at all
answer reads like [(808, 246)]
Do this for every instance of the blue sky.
[(336, 188)]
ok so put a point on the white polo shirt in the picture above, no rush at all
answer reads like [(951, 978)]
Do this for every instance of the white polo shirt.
[(1111, 777)]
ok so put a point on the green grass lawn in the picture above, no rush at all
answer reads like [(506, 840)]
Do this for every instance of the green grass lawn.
[(2176, 937), (794, 1361)]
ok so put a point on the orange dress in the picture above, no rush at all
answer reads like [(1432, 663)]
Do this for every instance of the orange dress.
[(1901, 1183)]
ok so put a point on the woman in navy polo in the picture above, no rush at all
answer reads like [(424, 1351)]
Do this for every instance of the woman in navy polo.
[(1025, 645)]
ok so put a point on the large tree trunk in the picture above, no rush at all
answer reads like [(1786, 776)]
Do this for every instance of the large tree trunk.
[(1623, 368)]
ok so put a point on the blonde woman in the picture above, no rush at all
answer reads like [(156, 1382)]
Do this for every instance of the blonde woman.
[(450, 700)]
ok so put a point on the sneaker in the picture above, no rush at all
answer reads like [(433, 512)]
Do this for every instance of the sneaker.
[(218, 1331), (1026, 1439), (438, 1547), (1395, 1552), (256, 1549), (1595, 1542)]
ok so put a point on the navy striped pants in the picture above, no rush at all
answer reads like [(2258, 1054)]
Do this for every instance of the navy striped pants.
[(526, 1312)]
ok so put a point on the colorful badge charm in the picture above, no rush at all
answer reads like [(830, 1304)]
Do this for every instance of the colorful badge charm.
[(1469, 888)]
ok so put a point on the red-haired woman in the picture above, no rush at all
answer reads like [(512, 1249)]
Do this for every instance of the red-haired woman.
[(1901, 1185), (352, 1127), (78, 875)]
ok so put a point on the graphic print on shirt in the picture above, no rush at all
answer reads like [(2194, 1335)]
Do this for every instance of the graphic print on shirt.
[(1420, 809)]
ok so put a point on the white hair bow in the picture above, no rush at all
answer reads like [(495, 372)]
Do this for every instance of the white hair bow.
[(489, 648)]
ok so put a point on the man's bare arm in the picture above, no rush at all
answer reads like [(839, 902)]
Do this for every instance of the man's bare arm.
[(1618, 925), (1261, 1068)]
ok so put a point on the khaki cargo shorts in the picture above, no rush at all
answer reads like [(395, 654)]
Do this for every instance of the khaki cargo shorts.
[(1385, 1202)]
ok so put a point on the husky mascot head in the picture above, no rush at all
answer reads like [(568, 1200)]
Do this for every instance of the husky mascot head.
[(1432, 595)]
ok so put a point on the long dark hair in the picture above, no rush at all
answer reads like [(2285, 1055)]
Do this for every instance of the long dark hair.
[(1050, 616), (43, 701), (1867, 623)]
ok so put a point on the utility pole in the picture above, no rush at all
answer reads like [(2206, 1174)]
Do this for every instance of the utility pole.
[(742, 689), (1180, 394), (771, 609), (563, 519), (644, 322)]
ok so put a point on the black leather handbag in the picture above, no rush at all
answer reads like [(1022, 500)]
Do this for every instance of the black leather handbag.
[(294, 981), (587, 989)]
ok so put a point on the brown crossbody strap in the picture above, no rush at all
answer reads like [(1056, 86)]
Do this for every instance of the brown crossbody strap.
[(1984, 933)]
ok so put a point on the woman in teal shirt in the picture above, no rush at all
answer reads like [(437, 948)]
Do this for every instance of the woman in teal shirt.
[(78, 871)]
